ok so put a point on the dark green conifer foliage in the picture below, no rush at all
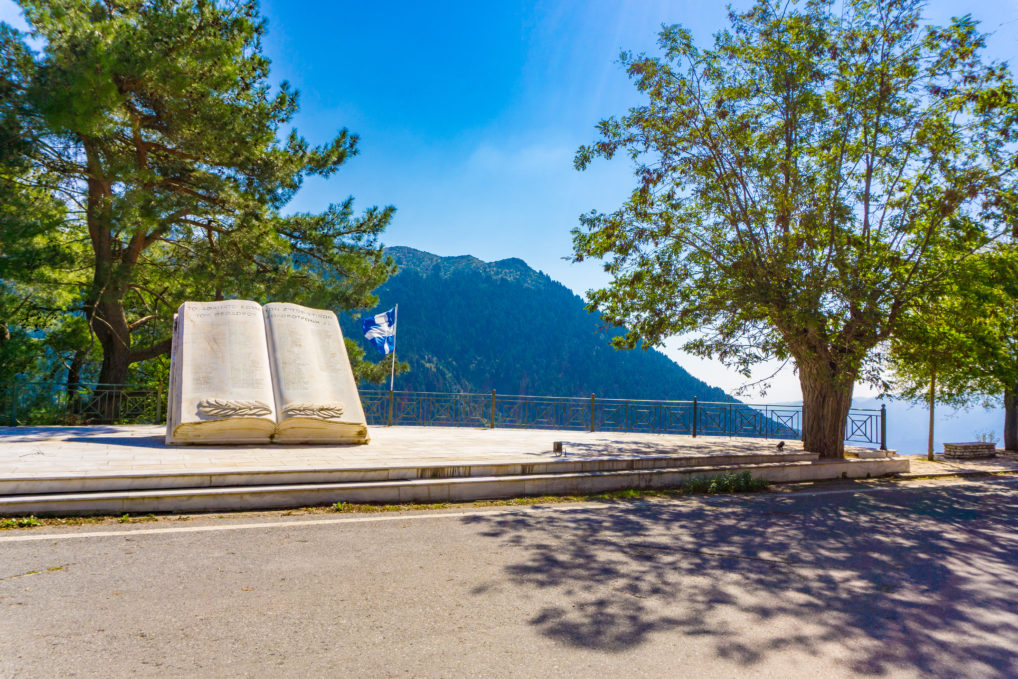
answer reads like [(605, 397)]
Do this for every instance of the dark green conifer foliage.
[(153, 122)]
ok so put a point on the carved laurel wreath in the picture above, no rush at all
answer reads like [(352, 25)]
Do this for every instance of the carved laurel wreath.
[(323, 411), (216, 408)]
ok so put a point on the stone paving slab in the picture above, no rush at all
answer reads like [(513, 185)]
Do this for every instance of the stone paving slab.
[(1004, 462), (44, 451)]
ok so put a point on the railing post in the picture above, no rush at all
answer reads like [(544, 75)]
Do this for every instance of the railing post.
[(391, 397), (883, 426), (592, 411), (802, 422), (694, 417), (492, 422), (159, 401), (14, 405)]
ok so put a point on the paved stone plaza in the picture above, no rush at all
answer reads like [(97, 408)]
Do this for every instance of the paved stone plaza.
[(1003, 463), (30, 451)]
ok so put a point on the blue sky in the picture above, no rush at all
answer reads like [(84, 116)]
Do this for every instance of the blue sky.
[(469, 114)]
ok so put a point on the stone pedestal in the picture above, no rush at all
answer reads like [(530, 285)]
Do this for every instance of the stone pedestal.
[(969, 451), (873, 454)]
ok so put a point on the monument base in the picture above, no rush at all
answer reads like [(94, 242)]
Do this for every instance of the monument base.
[(116, 470)]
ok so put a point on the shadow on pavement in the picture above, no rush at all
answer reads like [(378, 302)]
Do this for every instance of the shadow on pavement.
[(919, 579), (132, 441), (24, 434), (658, 446)]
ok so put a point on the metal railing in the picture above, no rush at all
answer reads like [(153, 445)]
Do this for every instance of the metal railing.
[(692, 418), (49, 403)]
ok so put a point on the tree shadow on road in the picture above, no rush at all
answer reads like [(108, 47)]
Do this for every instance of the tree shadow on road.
[(922, 579)]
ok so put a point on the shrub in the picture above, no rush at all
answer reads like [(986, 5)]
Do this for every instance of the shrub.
[(730, 482)]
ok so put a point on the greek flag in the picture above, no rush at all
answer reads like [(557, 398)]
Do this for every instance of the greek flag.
[(380, 330)]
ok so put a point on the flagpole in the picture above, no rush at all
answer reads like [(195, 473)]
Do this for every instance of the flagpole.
[(395, 324)]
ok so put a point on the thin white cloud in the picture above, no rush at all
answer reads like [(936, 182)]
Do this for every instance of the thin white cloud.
[(531, 158)]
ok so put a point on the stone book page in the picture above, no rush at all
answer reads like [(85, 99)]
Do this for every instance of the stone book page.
[(220, 381), (315, 392)]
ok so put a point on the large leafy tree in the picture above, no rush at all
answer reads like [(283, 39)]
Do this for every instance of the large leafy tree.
[(801, 184), (962, 347), (155, 124)]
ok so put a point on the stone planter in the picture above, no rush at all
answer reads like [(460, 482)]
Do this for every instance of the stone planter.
[(969, 451)]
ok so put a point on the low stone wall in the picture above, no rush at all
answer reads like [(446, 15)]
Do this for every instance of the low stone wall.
[(968, 451)]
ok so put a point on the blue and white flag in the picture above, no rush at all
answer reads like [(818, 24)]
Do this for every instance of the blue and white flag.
[(380, 330)]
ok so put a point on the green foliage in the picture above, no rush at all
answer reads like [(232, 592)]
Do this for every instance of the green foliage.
[(364, 369), (127, 518), (728, 482), (470, 326), (964, 343), (801, 185), (968, 335), (147, 160), (20, 522)]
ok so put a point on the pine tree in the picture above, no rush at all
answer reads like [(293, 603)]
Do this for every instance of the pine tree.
[(154, 122)]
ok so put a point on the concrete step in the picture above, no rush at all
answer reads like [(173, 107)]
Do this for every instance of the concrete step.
[(225, 478), (429, 490)]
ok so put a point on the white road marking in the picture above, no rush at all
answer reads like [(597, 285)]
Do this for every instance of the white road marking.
[(264, 524), (913, 485)]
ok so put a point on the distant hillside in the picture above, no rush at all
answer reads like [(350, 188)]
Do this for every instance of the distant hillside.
[(467, 325)]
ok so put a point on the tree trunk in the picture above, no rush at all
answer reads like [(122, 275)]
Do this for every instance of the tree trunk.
[(115, 262), (933, 401), (105, 302), (826, 400), (109, 323), (1011, 418)]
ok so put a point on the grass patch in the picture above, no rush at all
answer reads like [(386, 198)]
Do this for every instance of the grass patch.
[(357, 507), (20, 522), (33, 521), (629, 494), (127, 518), (537, 500)]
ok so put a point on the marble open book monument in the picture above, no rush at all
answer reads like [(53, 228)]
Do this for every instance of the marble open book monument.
[(243, 373)]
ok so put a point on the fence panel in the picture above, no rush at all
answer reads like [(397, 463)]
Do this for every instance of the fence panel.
[(863, 426), (50, 403), (654, 417), (542, 412)]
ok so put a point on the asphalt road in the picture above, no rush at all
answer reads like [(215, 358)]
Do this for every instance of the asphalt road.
[(908, 582)]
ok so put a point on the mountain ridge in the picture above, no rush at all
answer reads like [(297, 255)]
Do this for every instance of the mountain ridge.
[(426, 263)]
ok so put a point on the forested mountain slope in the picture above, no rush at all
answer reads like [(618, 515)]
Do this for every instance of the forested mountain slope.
[(471, 326)]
